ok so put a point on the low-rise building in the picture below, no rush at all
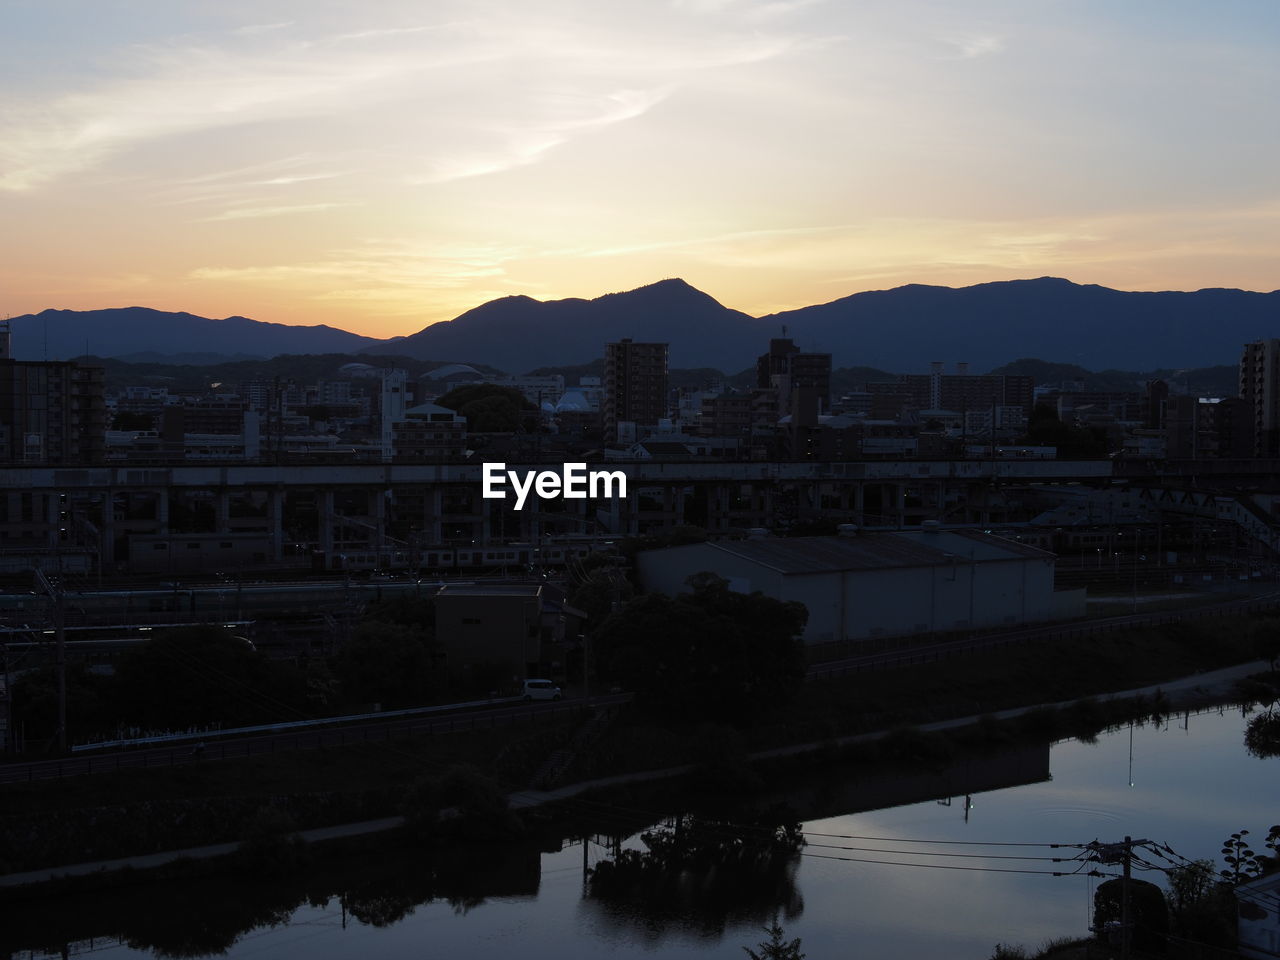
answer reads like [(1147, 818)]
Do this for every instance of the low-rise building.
[(515, 630), (865, 585), (429, 432), (1258, 921)]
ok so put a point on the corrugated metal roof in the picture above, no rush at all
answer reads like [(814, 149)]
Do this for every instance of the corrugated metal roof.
[(871, 551), (1004, 543)]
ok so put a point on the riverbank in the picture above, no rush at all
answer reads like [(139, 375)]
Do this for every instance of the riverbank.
[(1186, 693)]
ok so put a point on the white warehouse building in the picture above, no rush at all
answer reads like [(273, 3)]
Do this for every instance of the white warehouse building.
[(864, 585)]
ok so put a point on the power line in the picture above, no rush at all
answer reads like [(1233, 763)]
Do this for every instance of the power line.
[(981, 843), (933, 853), (1253, 896), (943, 866)]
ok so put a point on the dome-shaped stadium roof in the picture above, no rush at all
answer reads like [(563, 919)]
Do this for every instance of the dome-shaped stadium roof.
[(450, 370), (572, 400), (357, 369)]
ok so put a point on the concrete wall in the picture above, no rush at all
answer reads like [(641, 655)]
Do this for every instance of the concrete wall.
[(891, 601), (1069, 604), (899, 601), (501, 630), (666, 570)]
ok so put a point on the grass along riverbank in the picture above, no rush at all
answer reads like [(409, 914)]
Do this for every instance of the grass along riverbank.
[(135, 812), (1025, 673)]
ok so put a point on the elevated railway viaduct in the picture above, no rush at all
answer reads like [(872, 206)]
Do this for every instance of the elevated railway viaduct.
[(181, 518)]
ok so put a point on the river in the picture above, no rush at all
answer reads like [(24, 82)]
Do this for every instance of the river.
[(1188, 783)]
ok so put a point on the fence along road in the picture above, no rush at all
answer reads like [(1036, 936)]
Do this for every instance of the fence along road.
[(492, 718), (282, 742)]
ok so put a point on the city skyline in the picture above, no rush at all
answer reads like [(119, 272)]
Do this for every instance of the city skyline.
[(384, 169)]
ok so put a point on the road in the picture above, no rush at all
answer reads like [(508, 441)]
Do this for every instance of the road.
[(373, 731)]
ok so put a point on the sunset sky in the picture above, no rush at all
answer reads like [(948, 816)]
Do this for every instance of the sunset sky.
[(382, 166)]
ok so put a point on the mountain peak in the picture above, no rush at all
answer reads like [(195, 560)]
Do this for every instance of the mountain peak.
[(672, 291), (670, 284)]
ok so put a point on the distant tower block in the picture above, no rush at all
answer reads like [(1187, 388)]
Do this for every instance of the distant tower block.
[(635, 385), (6, 348)]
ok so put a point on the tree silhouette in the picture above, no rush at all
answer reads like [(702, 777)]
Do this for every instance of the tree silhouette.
[(775, 948)]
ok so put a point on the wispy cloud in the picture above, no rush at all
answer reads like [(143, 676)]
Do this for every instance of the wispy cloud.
[(500, 93), (286, 181), (876, 244), (388, 271), (253, 170), (778, 9), (973, 45), (185, 91), (524, 142), (382, 33), (253, 29), (251, 213)]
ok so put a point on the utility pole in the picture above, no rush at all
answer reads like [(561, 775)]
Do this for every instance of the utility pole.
[(60, 655), (8, 743), (1123, 853)]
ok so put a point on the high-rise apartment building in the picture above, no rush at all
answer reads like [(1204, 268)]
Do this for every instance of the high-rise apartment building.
[(960, 392), (635, 385), (1207, 427), (1260, 390), (51, 412), (785, 368)]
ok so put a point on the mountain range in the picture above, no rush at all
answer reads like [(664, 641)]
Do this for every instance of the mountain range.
[(140, 335), (901, 329)]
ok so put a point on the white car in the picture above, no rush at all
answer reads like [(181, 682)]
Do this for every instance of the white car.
[(541, 690)]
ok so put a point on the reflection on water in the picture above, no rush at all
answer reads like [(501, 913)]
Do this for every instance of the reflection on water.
[(703, 875), (207, 917), (1262, 735), (1187, 782)]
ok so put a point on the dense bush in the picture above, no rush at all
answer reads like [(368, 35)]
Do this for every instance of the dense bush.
[(709, 654)]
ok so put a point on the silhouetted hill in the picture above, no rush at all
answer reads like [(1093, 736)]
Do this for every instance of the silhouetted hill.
[(572, 372), (903, 329), (1218, 381), (185, 359), (991, 323), (520, 333), (62, 334), (1042, 371), (303, 369)]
